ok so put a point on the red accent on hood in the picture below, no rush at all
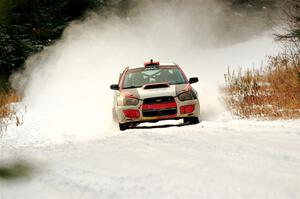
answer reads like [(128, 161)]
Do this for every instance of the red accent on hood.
[(127, 94), (186, 88)]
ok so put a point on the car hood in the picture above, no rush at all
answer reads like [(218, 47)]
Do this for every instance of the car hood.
[(172, 90)]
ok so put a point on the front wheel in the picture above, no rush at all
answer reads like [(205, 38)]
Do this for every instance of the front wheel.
[(191, 120)]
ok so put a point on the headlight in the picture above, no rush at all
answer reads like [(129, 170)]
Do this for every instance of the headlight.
[(130, 101), (127, 101), (189, 95)]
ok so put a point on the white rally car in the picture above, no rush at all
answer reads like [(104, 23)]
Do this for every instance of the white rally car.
[(154, 92)]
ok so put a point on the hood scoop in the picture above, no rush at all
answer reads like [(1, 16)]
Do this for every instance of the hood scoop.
[(156, 85)]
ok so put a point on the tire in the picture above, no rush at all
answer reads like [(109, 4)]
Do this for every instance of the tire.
[(123, 127), (191, 120)]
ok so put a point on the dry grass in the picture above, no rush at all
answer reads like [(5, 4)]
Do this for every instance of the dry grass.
[(7, 113), (271, 92)]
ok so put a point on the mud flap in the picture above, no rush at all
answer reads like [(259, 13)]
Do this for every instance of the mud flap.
[(191, 120)]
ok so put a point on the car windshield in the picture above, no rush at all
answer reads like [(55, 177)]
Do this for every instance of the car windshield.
[(135, 78)]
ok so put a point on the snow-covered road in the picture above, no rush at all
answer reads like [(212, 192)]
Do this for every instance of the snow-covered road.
[(72, 150), (226, 158)]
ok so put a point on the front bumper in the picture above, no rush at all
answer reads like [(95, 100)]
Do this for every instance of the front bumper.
[(178, 115)]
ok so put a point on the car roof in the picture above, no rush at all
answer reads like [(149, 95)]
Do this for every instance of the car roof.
[(160, 64)]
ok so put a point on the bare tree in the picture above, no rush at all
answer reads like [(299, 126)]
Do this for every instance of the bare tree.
[(291, 35)]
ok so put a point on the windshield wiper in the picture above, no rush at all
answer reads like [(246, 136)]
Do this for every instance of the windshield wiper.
[(131, 87), (177, 83)]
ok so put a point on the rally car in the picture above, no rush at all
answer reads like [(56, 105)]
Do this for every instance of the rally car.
[(153, 92)]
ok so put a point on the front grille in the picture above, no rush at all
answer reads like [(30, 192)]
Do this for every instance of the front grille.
[(156, 100), (159, 106), (154, 113)]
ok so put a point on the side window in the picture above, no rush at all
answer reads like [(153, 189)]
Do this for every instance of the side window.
[(127, 80), (121, 77), (178, 76)]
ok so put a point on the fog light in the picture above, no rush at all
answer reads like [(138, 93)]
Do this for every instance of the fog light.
[(131, 113), (187, 109)]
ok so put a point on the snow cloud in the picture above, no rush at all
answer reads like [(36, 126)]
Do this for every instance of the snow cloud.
[(66, 86)]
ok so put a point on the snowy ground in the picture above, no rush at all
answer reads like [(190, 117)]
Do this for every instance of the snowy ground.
[(227, 158)]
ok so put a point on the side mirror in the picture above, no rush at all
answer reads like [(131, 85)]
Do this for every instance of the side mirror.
[(193, 80), (114, 87)]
